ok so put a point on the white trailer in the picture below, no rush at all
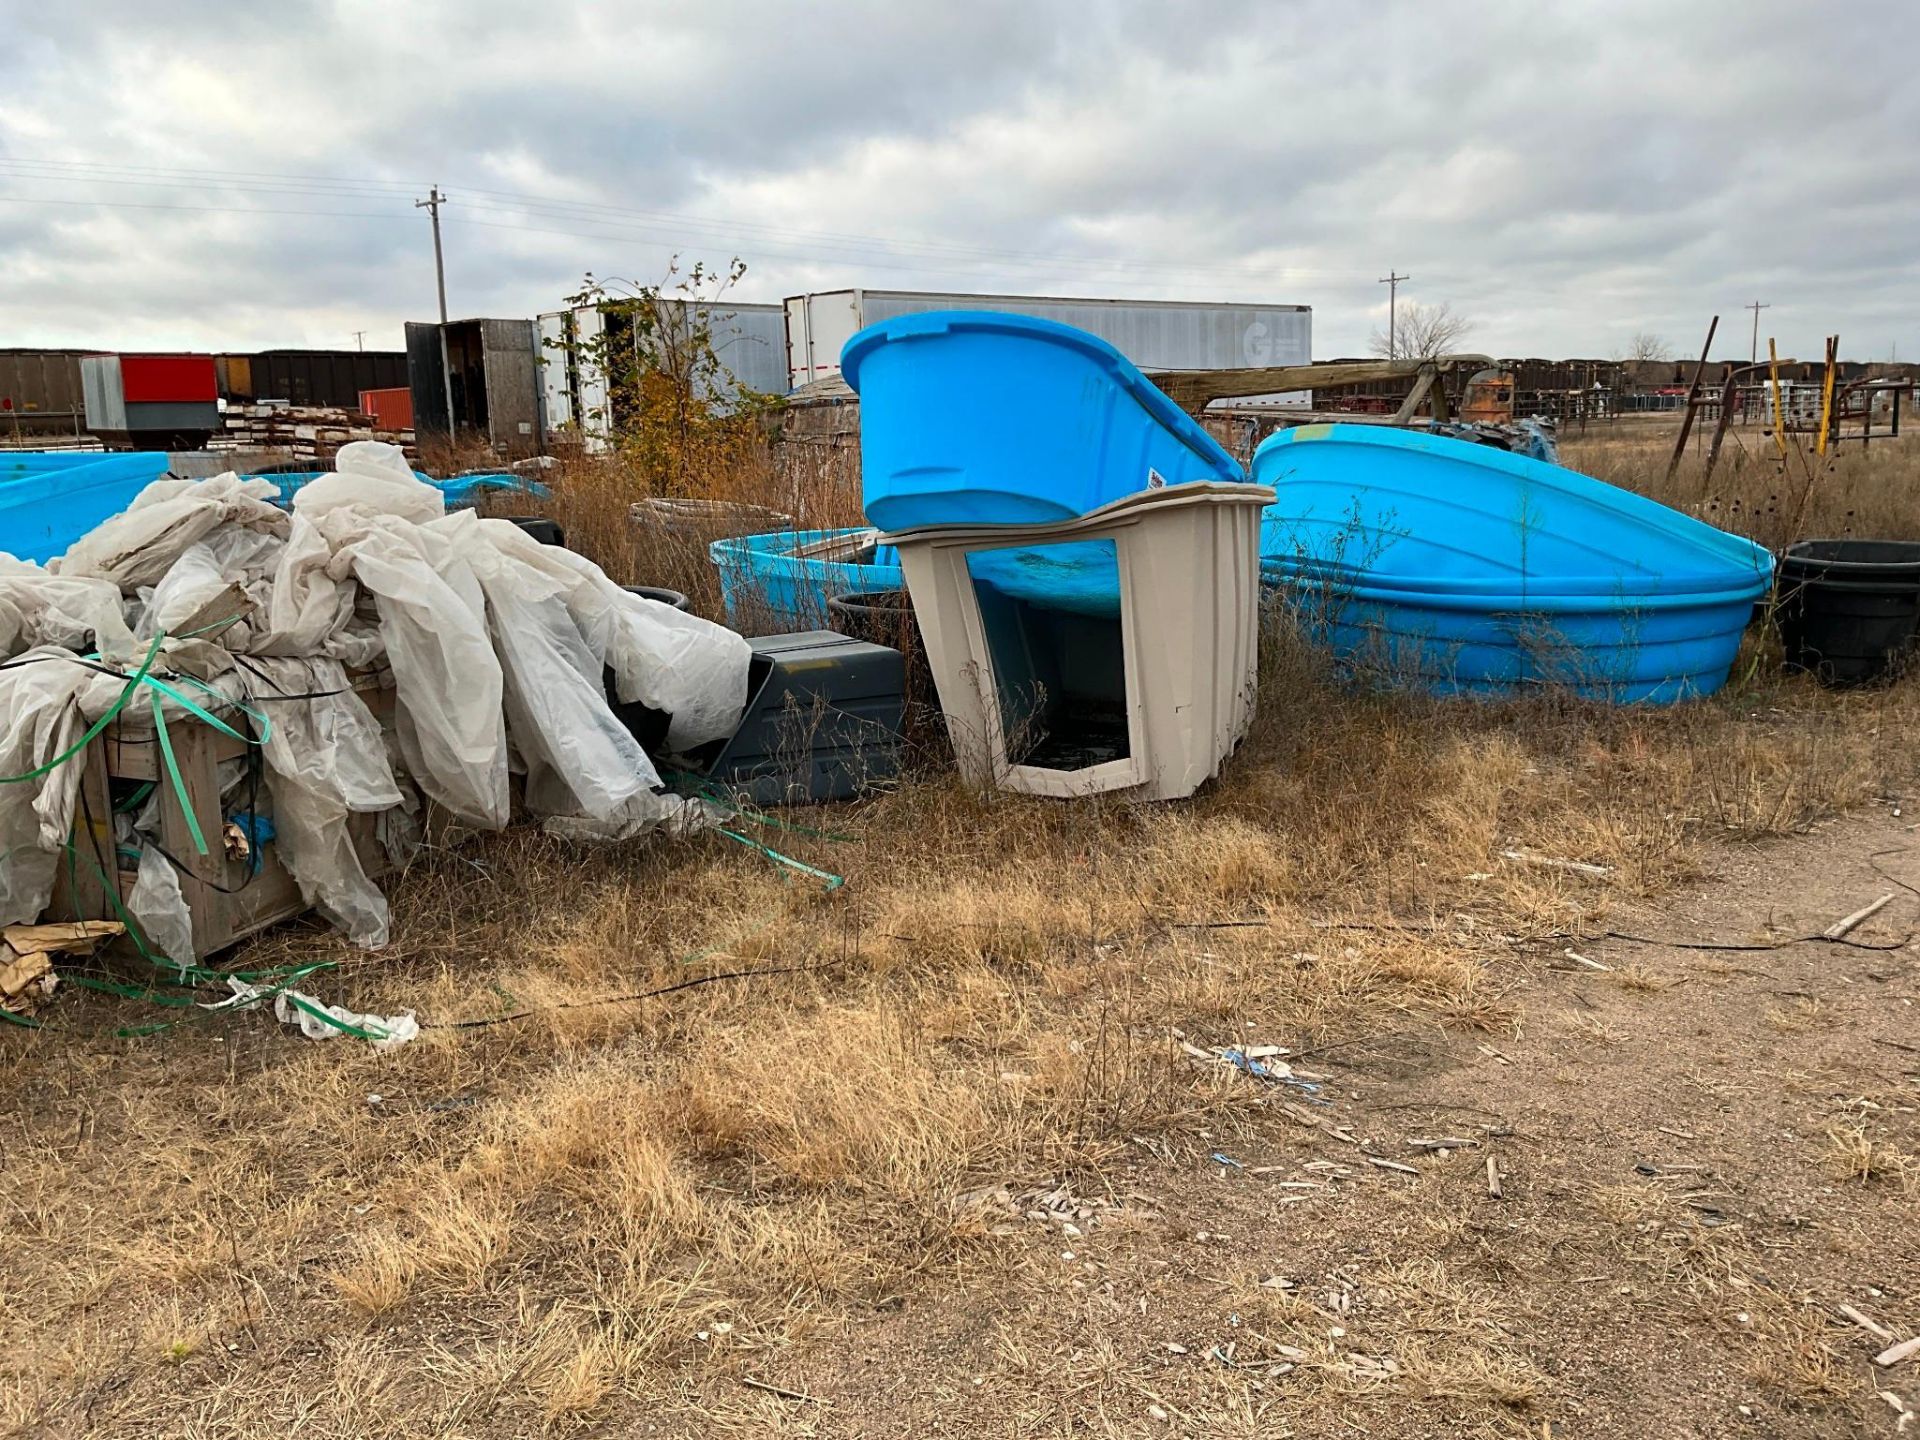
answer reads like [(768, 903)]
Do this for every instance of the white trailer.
[(1154, 334), (749, 340)]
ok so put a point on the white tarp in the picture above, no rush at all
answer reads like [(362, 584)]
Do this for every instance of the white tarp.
[(38, 607), (41, 718), (497, 647), (326, 761)]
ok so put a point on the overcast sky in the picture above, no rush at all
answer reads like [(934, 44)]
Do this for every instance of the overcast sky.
[(1564, 174)]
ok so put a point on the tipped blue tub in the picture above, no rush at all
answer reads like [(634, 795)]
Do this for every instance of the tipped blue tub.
[(762, 582), (981, 418), (50, 498), (1468, 569)]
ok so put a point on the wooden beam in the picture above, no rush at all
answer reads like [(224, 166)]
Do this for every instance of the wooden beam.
[(1410, 406), (1826, 394), (1727, 394), (1192, 390), (1693, 401), (1779, 408)]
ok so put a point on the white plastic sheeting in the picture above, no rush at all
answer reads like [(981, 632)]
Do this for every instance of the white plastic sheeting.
[(497, 647), (40, 608), (41, 717), (138, 546), (447, 679), (326, 761), (320, 1021), (157, 903)]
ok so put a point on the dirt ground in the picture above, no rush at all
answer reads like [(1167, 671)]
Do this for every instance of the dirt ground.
[(1702, 1153), (1680, 1141)]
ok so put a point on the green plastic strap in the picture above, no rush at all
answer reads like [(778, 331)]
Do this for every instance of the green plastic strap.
[(136, 799), (286, 976), (705, 789), (133, 683), (173, 772), (194, 709), (132, 992), (828, 880), (166, 746), (166, 965), (21, 1020), (301, 1003), (110, 887), (257, 716)]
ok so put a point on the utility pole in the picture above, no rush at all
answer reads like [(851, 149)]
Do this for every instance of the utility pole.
[(1753, 355), (432, 205), (359, 339), (1392, 282)]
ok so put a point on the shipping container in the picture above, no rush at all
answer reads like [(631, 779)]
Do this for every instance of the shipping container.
[(749, 341), (390, 409), (496, 387), (150, 402), (1153, 334)]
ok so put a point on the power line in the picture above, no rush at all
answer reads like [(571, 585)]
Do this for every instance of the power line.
[(211, 209)]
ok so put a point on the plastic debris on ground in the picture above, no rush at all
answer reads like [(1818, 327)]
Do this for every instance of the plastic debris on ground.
[(320, 1021), (206, 602)]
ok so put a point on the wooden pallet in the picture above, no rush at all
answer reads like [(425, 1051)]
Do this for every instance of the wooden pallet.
[(227, 903)]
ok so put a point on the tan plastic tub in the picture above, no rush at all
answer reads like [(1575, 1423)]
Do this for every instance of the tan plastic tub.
[(1165, 691)]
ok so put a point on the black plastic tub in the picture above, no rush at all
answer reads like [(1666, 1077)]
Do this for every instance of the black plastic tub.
[(1849, 609), (646, 724), (884, 617), (658, 592), (547, 532)]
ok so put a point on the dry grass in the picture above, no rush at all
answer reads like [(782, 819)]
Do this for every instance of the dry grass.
[(556, 1221), (1853, 492), (1853, 1154)]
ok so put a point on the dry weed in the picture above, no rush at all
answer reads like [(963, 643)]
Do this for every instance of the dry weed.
[(1852, 1154), (1790, 1351)]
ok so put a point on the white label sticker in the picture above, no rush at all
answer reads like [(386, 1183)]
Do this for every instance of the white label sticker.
[(1155, 480)]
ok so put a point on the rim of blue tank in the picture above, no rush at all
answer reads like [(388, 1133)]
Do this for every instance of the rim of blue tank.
[(1519, 602), (1718, 548), (1627, 589), (931, 323)]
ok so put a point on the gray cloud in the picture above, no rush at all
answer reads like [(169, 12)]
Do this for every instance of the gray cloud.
[(1565, 175)]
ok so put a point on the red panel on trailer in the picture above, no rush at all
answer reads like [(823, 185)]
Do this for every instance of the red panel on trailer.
[(168, 377), (391, 409)]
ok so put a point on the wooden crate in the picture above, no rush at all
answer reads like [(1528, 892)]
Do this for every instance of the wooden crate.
[(226, 903)]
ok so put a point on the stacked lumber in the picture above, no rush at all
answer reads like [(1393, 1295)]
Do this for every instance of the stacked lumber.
[(308, 432)]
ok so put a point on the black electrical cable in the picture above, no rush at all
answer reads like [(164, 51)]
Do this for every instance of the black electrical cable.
[(619, 999), (1840, 940)]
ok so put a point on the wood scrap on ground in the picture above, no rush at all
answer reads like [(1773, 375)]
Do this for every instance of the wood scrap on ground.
[(1871, 1326), (1550, 862), (1894, 1354), (1841, 927)]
